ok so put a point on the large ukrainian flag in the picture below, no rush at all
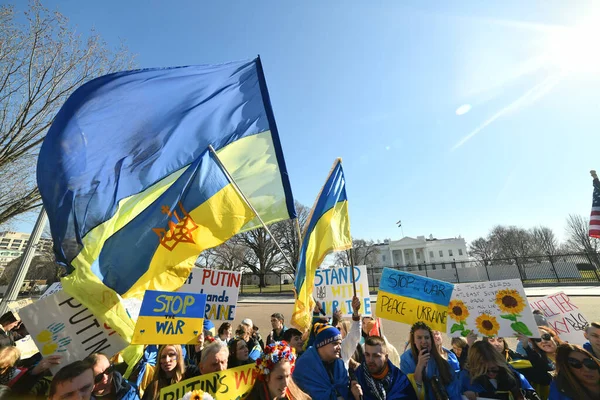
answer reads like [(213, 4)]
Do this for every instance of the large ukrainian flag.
[(131, 192), (327, 230)]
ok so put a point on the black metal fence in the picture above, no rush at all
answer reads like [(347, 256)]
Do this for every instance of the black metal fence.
[(562, 269)]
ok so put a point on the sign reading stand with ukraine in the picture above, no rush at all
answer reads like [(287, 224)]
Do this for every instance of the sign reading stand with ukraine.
[(167, 317), (409, 298)]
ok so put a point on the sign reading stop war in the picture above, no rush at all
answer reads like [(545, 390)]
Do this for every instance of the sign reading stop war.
[(221, 289), (409, 298), (563, 316), (167, 317)]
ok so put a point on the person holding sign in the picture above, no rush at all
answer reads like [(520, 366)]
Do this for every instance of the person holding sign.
[(577, 374), (320, 372), (431, 375), (274, 375)]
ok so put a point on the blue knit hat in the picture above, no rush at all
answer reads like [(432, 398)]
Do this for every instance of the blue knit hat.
[(325, 334)]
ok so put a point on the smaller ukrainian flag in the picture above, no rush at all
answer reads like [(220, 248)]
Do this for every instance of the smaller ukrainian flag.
[(327, 230)]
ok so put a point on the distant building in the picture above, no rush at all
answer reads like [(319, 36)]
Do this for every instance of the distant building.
[(414, 251), (12, 245)]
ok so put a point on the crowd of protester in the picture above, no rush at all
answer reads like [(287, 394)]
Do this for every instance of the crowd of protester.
[(336, 359)]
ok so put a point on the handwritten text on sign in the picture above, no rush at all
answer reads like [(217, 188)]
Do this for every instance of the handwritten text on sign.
[(59, 324), (334, 289), (409, 298), (231, 384), (221, 289), (496, 308), (167, 317), (563, 316)]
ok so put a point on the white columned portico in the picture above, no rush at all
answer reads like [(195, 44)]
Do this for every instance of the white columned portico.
[(415, 255)]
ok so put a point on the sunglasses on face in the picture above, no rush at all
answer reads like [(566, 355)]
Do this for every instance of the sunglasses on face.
[(108, 371), (545, 336), (586, 362)]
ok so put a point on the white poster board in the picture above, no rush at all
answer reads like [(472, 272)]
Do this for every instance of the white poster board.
[(55, 287), (60, 325), (334, 289), (496, 308), (221, 289), (16, 305), (563, 316), (27, 347)]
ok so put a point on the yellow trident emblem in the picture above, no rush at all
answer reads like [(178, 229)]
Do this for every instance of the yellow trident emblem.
[(180, 229)]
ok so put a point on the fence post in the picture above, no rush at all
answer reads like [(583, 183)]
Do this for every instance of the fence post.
[(426, 274), (521, 271), (261, 281), (455, 271), (485, 265), (591, 263), (553, 267), (280, 288)]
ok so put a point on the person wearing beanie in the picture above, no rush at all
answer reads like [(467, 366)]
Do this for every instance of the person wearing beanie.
[(320, 372)]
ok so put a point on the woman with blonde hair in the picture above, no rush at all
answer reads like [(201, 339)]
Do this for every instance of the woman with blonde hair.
[(273, 374), (487, 374), (577, 374), (170, 369)]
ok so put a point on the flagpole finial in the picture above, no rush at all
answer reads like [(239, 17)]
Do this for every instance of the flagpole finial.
[(593, 173)]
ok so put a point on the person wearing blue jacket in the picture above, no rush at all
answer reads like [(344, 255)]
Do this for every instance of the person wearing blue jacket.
[(431, 375), (320, 372), (577, 374), (108, 382), (377, 378), (488, 375)]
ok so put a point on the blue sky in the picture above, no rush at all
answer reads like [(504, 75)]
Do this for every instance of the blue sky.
[(378, 83)]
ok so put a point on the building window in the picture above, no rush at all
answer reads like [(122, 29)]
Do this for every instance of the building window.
[(433, 266), (383, 258), (460, 252), (418, 256), (450, 253), (441, 253), (431, 254)]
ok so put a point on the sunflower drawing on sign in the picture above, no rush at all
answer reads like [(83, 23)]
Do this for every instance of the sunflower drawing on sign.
[(509, 301), (487, 325), (458, 311)]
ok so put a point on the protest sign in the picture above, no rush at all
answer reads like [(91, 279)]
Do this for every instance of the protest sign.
[(27, 347), (16, 305), (221, 289), (409, 298), (231, 384), (496, 308), (167, 317), (563, 316), (61, 325), (333, 289), (55, 287)]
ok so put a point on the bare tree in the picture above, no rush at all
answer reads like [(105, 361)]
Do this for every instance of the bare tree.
[(261, 254), (512, 242), (228, 256), (365, 252), (578, 239), (544, 241), (41, 63), (286, 232), (483, 250)]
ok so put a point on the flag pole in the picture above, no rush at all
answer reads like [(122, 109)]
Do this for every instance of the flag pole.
[(352, 270), (14, 288), (243, 196)]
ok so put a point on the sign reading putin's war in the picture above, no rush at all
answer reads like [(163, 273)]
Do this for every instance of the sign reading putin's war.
[(167, 317), (410, 298)]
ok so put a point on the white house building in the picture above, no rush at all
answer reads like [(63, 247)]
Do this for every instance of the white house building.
[(12, 245), (414, 251)]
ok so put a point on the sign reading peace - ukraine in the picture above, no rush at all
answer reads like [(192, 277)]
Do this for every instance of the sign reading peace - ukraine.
[(409, 298), (167, 317)]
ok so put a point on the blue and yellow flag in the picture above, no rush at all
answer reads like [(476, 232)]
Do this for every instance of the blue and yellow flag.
[(132, 194), (327, 230)]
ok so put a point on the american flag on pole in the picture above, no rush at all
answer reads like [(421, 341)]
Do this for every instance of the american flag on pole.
[(595, 216)]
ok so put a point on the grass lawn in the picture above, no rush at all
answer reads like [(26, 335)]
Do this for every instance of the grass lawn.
[(251, 289)]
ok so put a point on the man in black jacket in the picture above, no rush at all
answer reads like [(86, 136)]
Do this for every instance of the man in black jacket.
[(8, 322), (108, 383)]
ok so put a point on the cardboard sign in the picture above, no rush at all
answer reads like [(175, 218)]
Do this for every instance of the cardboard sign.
[(16, 305), (496, 308), (234, 383), (27, 347), (61, 325), (55, 287), (221, 289), (563, 316), (334, 289), (168, 317), (409, 298)]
